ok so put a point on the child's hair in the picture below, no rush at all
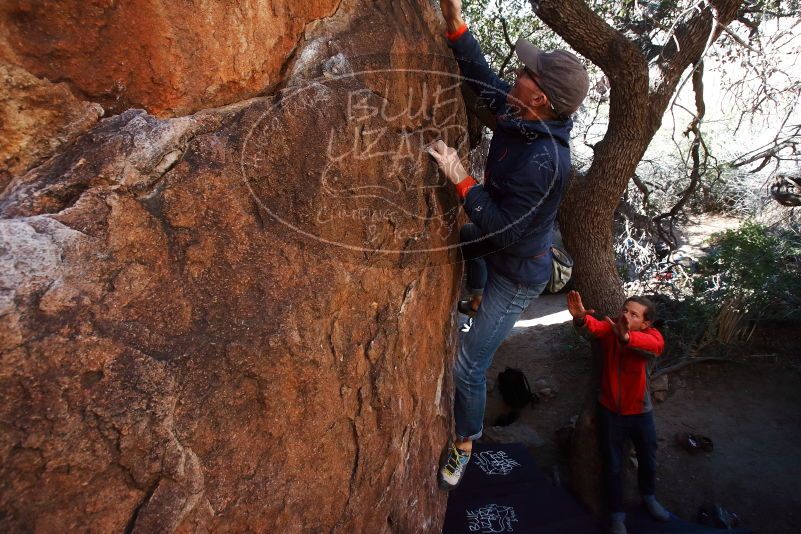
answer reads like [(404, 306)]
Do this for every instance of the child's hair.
[(650, 307)]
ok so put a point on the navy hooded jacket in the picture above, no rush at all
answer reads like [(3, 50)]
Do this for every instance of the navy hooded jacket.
[(525, 178)]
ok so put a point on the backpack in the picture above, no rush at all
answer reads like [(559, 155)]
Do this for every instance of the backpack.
[(562, 269), (516, 392), (514, 389)]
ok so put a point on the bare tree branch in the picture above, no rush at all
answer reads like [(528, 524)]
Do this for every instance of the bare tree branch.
[(738, 40)]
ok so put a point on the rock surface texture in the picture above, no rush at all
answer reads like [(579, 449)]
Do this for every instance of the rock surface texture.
[(167, 57), (36, 119), (237, 320)]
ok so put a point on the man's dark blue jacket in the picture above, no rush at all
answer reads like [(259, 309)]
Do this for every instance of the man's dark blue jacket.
[(526, 174)]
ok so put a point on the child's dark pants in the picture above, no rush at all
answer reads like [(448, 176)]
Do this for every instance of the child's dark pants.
[(613, 430)]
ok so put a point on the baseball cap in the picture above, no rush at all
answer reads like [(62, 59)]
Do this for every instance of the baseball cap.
[(560, 75)]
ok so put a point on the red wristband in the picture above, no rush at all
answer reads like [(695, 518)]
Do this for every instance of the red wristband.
[(464, 186), (458, 32)]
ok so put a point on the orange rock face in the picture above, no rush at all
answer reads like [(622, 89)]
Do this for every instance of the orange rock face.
[(170, 58), (239, 320), (36, 119)]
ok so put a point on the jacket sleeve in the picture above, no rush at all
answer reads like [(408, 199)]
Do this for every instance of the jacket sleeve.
[(523, 193), (592, 327), (489, 87), (647, 344)]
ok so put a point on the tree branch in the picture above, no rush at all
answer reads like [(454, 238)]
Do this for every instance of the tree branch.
[(510, 44), (592, 37), (698, 167), (691, 41)]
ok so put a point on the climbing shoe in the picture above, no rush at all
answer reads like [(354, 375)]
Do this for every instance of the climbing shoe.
[(452, 466), (616, 527), (656, 510), (617, 523)]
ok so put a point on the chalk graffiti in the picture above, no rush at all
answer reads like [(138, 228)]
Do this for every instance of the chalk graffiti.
[(495, 462), (491, 518)]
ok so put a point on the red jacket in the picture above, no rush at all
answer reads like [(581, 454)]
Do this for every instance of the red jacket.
[(625, 387)]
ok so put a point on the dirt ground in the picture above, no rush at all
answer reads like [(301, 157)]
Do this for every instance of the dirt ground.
[(751, 409)]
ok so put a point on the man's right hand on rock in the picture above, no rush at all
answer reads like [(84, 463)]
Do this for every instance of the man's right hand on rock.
[(448, 161)]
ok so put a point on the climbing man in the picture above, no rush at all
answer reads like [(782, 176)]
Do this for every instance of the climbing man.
[(507, 244), (624, 403)]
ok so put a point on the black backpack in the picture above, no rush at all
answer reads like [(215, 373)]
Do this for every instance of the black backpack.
[(516, 392)]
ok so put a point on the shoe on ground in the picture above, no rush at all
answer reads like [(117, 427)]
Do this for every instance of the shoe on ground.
[(452, 467), (656, 510), (616, 527)]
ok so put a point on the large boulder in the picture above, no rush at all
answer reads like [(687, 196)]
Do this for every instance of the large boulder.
[(240, 320), (167, 57)]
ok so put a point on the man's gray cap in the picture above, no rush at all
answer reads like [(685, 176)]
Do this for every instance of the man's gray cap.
[(560, 75)]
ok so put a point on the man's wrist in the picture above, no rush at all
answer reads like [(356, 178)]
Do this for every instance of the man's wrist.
[(579, 320), (459, 175), (453, 24), (455, 29), (464, 186)]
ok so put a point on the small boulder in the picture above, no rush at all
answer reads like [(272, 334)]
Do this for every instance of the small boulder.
[(660, 384), (517, 432), (545, 388)]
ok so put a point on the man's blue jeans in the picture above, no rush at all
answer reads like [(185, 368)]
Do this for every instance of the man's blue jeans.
[(475, 247), (503, 302)]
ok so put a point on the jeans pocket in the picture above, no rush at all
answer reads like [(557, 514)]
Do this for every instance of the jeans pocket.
[(525, 294), (534, 291)]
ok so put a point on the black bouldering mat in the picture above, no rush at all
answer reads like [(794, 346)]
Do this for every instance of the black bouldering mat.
[(517, 512), (504, 491), (500, 467)]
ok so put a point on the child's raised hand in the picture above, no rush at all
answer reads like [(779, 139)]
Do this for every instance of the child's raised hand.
[(575, 306), (620, 327)]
